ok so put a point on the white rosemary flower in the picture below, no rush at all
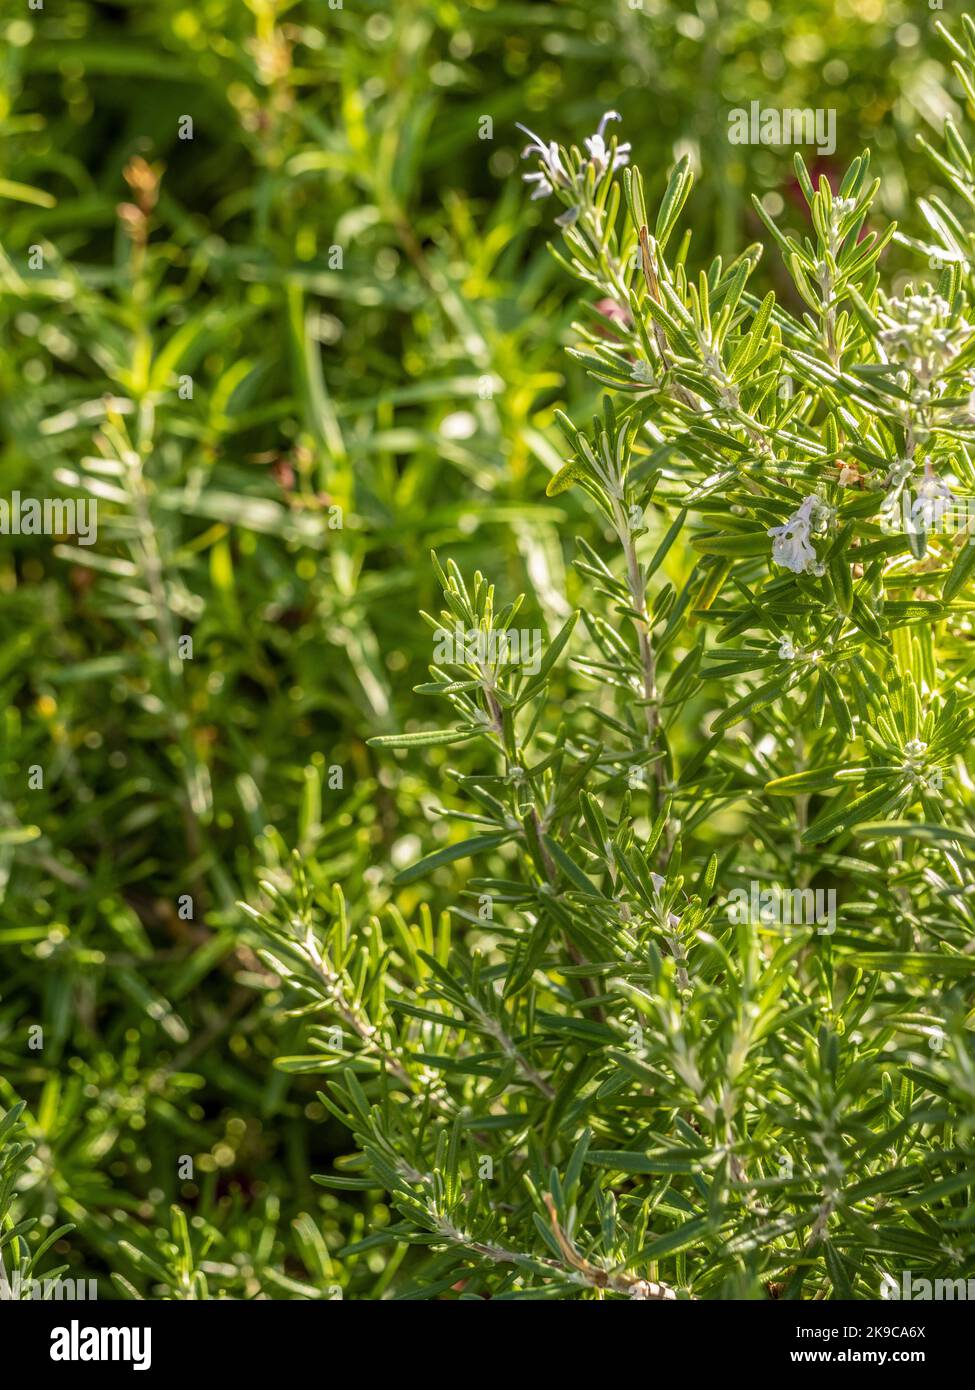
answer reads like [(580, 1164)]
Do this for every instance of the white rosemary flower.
[(791, 545), (552, 175), (933, 499), (599, 151), (931, 486)]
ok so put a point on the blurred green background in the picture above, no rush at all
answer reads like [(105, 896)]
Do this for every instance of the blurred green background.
[(353, 283)]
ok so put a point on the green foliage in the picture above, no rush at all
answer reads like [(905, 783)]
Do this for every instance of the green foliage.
[(277, 436), (19, 1264)]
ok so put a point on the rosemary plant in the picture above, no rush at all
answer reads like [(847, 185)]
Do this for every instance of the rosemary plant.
[(698, 1025)]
